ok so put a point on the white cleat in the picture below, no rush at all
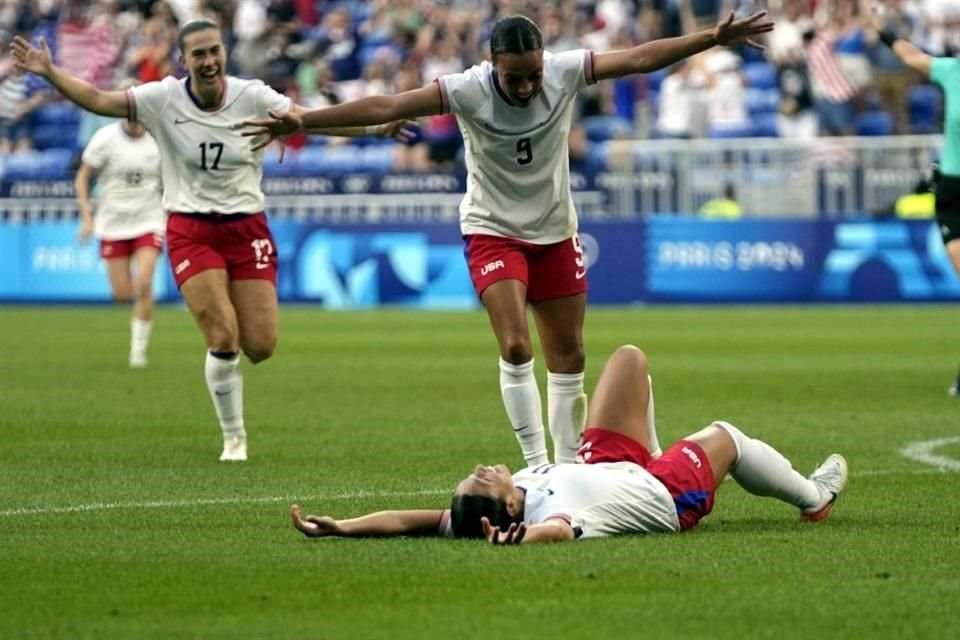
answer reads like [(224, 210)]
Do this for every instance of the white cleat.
[(831, 480), (234, 449), (954, 389), (138, 360)]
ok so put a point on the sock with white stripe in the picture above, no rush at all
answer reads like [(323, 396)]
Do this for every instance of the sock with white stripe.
[(567, 413), (139, 335), (225, 384), (763, 471), (521, 399)]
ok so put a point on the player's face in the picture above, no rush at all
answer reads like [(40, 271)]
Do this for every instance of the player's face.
[(520, 75), (491, 482), (205, 58)]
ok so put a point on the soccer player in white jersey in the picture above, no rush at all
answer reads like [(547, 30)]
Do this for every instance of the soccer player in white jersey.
[(517, 216), (621, 482), (129, 221), (221, 250)]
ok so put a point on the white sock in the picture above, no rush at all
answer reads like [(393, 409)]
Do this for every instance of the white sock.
[(521, 398), (654, 444), (567, 413), (763, 471), (226, 390), (139, 335)]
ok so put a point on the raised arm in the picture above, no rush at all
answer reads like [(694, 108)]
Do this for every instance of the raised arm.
[(420, 522), (658, 54), (84, 94), (908, 53), (366, 112)]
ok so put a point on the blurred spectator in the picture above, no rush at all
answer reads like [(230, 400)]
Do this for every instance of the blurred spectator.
[(797, 117), (849, 43), (678, 102), (153, 46), (942, 27), (891, 78), (725, 93), (832, 91)]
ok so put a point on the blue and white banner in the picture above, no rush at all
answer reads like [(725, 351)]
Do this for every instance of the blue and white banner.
[(662, 259)]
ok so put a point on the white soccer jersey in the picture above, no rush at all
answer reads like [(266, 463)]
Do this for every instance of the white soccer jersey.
[(518, 167), (603, 499), (208, 166), (128, 205)]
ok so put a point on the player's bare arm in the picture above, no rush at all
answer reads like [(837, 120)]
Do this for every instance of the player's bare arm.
[(658, 54), (39, 61), (375, 110), (81, 185), (419, 522), (552, 530)]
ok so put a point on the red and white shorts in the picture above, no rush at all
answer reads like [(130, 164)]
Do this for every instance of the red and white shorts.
[(240, 243), (549, 270), (683, 469), (110, 249)]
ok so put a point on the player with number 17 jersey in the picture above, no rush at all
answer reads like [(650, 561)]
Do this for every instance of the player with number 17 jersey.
[(210, 174)]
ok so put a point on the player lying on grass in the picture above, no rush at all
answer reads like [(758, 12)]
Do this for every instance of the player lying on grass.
[(621, 482)]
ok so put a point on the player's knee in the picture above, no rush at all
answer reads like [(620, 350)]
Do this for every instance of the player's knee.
[(145, 290), (123, 294), (517, 350), (631, 356), (259, 351)]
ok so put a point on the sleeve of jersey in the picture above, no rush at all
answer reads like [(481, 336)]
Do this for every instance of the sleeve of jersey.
[(270, 100), (575, 68), (146, 102), (455, 90), (95, 154), (943, 69)]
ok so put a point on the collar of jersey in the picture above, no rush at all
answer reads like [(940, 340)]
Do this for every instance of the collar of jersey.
[(495, 79), (196, 103)]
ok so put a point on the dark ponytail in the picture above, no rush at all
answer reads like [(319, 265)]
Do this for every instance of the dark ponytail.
[(516, 34)]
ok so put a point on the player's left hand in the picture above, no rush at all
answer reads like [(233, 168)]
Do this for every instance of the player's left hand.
[(314, 526), (278, 126), (732, 32), (402, 130), (513, 535)]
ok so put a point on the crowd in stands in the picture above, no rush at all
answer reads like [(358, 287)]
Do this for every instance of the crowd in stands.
[(823, 71)]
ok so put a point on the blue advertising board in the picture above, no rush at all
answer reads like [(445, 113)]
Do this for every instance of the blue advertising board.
[(662, 259)]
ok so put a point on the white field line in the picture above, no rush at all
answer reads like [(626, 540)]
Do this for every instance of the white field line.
[(924, 452)]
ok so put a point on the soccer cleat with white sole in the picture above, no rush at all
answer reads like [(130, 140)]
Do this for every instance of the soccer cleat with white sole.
[(234, 449), (138, 360), (831, 479)]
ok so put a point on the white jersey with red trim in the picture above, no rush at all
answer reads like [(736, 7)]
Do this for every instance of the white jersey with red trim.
[(208, 166), (518, 167), (128, 173), (604, 499)]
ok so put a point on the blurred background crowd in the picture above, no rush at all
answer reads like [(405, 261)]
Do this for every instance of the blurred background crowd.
[(823, 71)]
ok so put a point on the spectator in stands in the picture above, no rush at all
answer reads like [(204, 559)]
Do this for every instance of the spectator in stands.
[(945, 72), (149, 57), (725, 94), (678, 102), (15, 108), (891, 79), (796, 115), (833, 92), (518, 217)]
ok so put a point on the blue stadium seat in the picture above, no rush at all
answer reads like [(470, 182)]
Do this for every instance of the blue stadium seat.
[(924, 108), (762, 100), (655, 79), (272, 168), (730, 132), (760, 75), (53, 164), (376, 159), (601, 128), (597, 156), (874, 123), (54, 136), (321, 160), (57, 113), (765, 126)]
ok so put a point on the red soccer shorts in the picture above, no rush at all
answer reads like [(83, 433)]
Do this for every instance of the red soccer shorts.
[(240, 243), (683, 469), (548, 270), (125, 248)]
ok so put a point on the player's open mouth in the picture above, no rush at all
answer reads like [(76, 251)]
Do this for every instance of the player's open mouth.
[(210, 74)]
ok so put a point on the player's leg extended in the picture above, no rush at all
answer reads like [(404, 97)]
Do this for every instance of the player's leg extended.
[(506, 305), (145, 260), (560, 325), (764, 471), (622, 398), (207, 295)]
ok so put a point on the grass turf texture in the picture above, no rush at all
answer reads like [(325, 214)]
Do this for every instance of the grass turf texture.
[(117, 521)]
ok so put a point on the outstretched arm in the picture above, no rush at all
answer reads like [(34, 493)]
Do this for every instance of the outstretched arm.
[(658, 54), (84, 94), (375, 110), (397, 129), (421, 522)]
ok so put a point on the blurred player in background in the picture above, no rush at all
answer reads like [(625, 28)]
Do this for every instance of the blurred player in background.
[(621, 484), (944, 72), (517, 217), (221, 249), (130, 221)]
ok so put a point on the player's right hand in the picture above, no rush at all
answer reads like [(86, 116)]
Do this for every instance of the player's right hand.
[(30, 58), (314, 526), (278, 126), (513, 535)]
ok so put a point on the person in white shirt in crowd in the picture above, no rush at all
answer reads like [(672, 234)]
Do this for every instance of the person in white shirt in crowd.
[(130, 221), (517, 217), (221, 249), (621, 482)]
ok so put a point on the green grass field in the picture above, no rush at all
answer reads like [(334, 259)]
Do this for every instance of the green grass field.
[(117, 521)]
